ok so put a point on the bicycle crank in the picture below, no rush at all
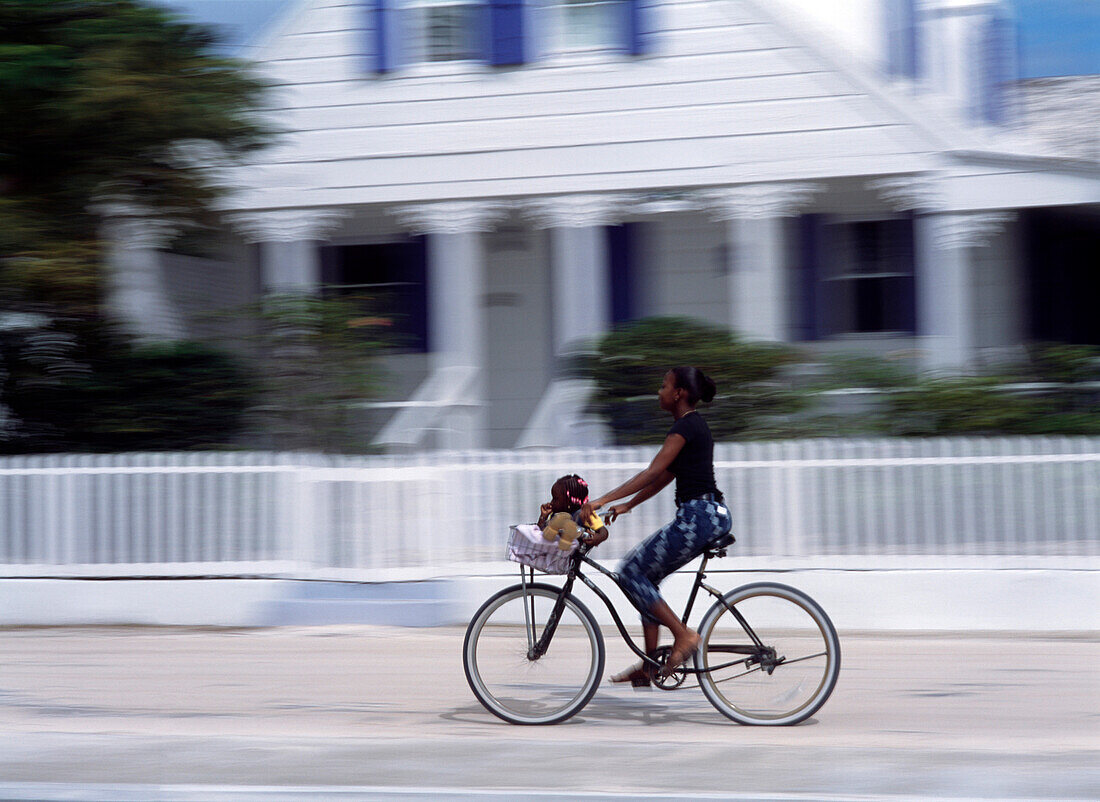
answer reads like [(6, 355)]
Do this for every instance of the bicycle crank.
[(671, 680)]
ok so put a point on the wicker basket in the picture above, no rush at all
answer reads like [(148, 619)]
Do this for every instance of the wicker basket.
[(540, 554)]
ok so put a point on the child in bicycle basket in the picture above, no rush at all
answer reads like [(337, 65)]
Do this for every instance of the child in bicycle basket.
[(560, 517)]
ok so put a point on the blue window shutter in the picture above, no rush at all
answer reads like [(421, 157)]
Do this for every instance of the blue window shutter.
[(414, 273), (506, 45), (621, 250), (901, 38), (639, 26), (997, 63), (379, 34), (809, 274)]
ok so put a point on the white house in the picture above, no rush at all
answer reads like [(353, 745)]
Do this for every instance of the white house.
[(526, 173)]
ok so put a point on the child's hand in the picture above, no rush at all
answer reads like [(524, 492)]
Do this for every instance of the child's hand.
[(597, 537), (546, 509)]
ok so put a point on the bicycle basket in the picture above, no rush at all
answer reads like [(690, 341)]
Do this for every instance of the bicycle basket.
[(526, 546)]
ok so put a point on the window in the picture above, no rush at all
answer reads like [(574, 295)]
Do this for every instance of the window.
[(501, 33), (586, 25), (868, 277), (444, 30), (390, 280)]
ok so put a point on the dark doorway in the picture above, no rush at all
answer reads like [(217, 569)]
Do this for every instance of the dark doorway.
[(1062, 247)]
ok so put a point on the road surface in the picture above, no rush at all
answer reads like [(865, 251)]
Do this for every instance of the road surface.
[(372, 711)]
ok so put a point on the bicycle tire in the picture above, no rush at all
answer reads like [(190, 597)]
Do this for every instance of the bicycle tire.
[(519, 690), (804, 666)]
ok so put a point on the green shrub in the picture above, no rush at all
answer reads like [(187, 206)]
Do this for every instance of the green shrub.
[(1049, 394), (1067, 364), (316, 358), (864, 370), (963, 405), (630, 362), (107, 395)]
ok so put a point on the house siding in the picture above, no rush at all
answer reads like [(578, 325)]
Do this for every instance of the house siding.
[(722, 90)]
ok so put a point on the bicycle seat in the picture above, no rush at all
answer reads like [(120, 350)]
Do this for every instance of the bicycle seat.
[(720, 543)]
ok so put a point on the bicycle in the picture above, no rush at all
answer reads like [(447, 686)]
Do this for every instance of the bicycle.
[(534, 654)]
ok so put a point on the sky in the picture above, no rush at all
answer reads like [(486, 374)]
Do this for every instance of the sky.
[(1057, 37), (239, 20)]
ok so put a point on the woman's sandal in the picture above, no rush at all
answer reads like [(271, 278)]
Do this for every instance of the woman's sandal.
[(637, 675)]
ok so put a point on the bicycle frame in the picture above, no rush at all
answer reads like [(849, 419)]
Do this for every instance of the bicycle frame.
[(756, 652)]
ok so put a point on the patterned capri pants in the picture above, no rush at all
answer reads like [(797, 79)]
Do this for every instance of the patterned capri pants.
[(670, 548)]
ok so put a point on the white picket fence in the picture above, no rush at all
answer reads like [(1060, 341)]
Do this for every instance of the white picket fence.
[(814, 503)]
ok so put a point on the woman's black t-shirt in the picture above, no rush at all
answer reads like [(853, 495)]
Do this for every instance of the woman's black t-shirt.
[(694, 465)]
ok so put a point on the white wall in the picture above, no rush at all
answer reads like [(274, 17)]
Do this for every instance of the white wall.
[(518, 312), (999, 600), (681, 269), (853, 26), (1000, 294)]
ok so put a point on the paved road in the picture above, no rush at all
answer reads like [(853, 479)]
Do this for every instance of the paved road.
[(340, 708)]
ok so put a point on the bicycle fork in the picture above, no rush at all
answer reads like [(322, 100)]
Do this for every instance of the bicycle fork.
[(535, 650)]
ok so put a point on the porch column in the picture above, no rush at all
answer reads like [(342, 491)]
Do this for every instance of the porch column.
[(456, 313), (758, 291), (579, 267), (581, 302), (944, 273), (946, 312), (137, 296), (290, 260)]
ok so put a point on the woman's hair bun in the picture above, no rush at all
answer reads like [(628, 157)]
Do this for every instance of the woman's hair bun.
[(699, 386), (707, 388)]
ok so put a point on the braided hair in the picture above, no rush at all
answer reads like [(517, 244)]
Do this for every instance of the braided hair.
[(568, 494)]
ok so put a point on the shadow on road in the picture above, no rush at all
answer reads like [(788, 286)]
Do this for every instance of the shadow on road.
[(612, 710)]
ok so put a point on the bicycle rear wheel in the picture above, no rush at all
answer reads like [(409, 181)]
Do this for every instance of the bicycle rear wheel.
[(503, 676), (785, 673)]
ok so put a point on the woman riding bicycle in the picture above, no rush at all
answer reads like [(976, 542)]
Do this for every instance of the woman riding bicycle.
[(701, 516)]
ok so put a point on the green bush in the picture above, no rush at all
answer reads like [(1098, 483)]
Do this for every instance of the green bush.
[(1050, 394), (1054, 393), (630, 362), (963, 405), (863, 370), (1067, 364), (108, 395), (316, 359)]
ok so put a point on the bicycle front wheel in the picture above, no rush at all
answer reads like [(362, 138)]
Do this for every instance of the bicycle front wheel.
[(517, 686), (769, 653)]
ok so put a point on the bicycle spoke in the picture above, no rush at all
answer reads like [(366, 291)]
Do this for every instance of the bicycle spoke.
[(790, 661), (737, 676)]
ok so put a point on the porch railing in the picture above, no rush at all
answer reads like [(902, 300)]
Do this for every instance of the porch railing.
[(814, 503)]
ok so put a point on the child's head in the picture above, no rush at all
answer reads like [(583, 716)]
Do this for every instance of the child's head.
[(568, 493)]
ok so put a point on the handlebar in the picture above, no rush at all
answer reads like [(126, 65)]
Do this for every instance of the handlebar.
[(585, 547)]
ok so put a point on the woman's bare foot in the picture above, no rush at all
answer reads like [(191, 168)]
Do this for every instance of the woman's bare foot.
[(682, 649)]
